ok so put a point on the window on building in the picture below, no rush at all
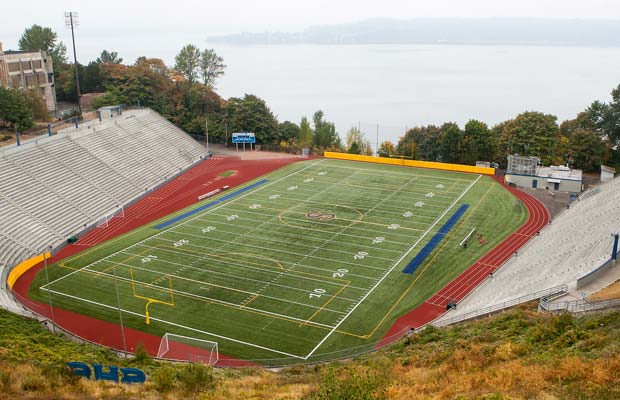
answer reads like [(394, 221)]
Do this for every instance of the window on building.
[(37, 64), (16, 81), (26, 65), (13, 67), (41, 78), (31, 80)]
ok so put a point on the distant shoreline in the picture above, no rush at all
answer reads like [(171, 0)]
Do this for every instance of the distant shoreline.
[(490, 31)]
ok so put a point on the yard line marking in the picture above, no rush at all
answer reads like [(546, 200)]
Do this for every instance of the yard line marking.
[(209, 270), (290, 262), (276, 250), (303, 257), (177, 325), (394, 266), (192, 295), (290, 235), (191, 219), (357, 228)]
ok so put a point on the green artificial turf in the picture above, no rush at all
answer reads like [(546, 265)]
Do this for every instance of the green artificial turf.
[(305, 267)]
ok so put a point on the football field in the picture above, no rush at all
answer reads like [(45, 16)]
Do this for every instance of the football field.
[(305, 264)]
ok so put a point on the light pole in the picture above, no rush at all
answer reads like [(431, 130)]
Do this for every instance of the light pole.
[(71, 21)]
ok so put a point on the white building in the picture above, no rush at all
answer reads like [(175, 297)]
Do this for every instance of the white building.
[(29, 70), (607, 173), (527, 172)]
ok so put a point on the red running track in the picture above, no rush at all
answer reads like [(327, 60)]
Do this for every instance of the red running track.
[(173, 196), (469, 279)]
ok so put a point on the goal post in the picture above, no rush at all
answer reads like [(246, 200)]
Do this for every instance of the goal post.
[(185, 348)]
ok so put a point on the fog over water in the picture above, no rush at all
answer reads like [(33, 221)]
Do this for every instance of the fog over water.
[(404, 85)]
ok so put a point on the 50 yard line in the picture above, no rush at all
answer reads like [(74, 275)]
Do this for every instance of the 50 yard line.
[(393, 266)]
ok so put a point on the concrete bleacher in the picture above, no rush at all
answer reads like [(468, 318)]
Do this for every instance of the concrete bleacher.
[(578, 241), (55, 187)]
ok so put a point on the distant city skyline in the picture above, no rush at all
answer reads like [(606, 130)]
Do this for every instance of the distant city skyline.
[(153, 29)]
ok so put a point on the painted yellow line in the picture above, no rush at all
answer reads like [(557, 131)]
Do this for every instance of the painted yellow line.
[(325, 304)]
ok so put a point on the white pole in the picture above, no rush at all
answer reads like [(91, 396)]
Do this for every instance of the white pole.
[(49, 293), (120, 314)]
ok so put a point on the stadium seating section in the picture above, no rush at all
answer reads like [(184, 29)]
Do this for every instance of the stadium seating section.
[(54, 187), (575, 243)]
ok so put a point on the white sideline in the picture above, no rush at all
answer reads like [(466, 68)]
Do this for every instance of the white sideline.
[(393, 266)]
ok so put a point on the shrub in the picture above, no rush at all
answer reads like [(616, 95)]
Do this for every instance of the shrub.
[(164, 378), (141, 354), (33, 383), (354, 386), (5, 381), (196, 378)]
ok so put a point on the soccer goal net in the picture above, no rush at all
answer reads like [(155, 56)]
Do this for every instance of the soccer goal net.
[(184, 348), (118, 213)]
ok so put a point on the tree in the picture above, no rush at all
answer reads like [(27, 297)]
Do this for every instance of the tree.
[(387, 149), (478, 143), (187, 62), (251, 114), (606, 117), (450, 141), (354, 140), (38, 38), (15, 110), (288, 130), (531, 134), (325, 134), (587, 150), (109, 57), (306, 137), (90, 78), (211, 67)]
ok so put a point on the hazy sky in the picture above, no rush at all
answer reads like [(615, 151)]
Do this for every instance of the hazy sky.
[(159, 28)]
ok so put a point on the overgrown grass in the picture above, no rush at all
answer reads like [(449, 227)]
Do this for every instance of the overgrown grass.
[(519, 354)]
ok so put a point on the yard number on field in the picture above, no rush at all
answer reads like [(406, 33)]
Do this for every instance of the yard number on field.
[(208, 229), (408, 214), (360, 255), (232, 217), (419, 204), (340, 273), (378, 239), (180, 243), (317, 293), (323, 173), (308, 180), (274, 196), (148, 258), (393, 226), (292, 188), (254, 206)]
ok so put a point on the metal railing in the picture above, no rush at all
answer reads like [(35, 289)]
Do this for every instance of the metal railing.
[(577, 306), (545, 293)]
